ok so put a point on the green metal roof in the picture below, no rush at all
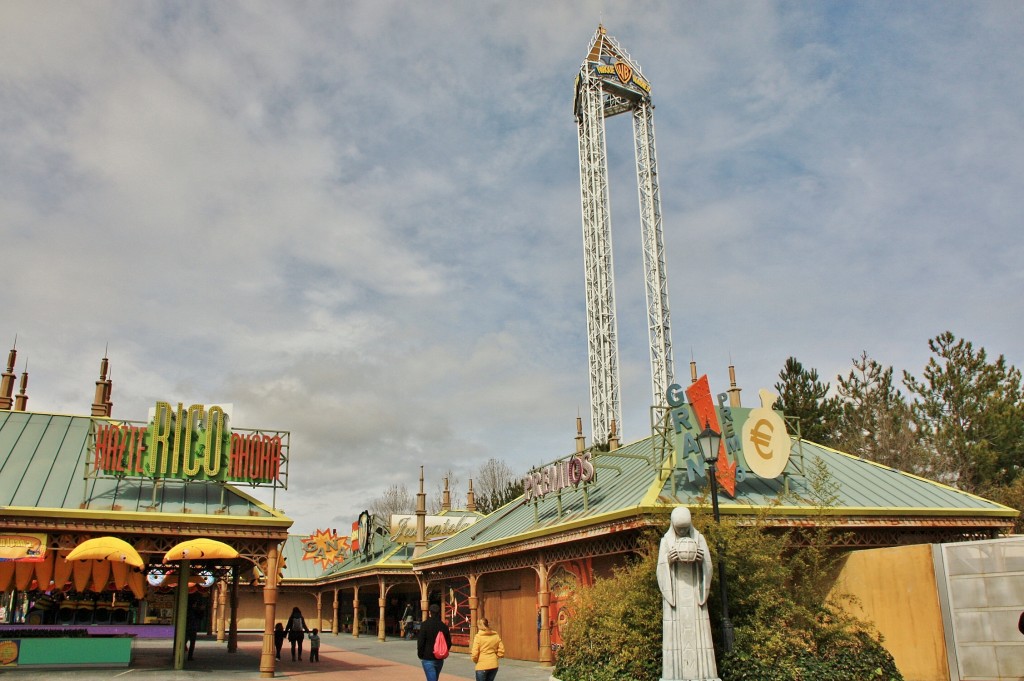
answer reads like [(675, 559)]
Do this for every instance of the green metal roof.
[(630, 482), (43, 464), (295, 567), (389, 555), (384, 554)]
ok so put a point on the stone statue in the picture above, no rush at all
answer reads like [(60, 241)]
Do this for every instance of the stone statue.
[(684, 577)]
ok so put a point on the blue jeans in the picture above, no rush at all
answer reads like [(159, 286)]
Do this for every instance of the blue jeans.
[(432, 668), (486, 674)]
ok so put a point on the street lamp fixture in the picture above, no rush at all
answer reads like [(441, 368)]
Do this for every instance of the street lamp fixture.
[(709, 442)]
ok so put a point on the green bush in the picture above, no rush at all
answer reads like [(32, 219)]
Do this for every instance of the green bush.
[(615, 631), (830, 648)]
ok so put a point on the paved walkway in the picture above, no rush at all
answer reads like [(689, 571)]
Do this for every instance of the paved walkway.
[(342, 657)]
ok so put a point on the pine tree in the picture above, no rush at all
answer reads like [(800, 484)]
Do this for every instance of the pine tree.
[(875, 421), (803, 396), (971, 413)]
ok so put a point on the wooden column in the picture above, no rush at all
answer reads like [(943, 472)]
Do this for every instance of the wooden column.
[(383, 589), (233, 622), (474, 606), (267, 658), (544, 604), (424, 603), (355, 611), (334, 627), (181, 614), (319, 611), (212, 612), (222, 600), (214, 609)]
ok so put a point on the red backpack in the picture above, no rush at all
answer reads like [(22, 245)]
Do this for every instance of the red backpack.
[(440, 646)]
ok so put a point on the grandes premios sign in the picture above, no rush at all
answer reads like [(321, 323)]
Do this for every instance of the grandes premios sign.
[(190, 444), (569, 472)]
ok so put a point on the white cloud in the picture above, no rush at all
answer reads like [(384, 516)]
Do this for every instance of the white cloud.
[(360, 222)]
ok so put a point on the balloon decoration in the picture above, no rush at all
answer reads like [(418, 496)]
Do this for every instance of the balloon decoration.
[(137, 583), (100, 575), (200, 549), (91, 563), (81, 573), (23, 572), (110, 549), (104, 563), (6, 574), (120, 571), (44, 571), (62, 569)]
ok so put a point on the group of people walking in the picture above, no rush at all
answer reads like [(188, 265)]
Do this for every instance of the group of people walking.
[(295, 631), (432, 644), (486, 651)]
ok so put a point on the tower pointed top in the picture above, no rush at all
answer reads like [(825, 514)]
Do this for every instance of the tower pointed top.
[(603, 47), (619, 75)]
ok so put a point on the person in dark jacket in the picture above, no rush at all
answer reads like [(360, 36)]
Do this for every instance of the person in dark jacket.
[(297, 630), (425, 642), (193, 619)]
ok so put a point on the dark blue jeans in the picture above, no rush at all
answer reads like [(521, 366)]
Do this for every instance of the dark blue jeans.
[(486, 674), (432, 668)]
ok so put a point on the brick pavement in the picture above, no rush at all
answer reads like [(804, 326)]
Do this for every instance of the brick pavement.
[(342, 658)]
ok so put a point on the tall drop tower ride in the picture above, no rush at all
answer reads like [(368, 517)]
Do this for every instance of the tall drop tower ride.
[(610, 83)]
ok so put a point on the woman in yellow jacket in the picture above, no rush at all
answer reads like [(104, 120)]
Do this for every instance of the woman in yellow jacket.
[(487, 648)]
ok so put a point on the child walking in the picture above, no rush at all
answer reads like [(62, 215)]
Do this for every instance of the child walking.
[(314, 646), (279, 635)]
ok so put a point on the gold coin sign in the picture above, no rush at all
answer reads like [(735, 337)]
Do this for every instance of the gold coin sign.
[(8, 653), (765, 440)]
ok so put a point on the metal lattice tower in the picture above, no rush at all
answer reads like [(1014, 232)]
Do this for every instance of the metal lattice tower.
[(610, 83)]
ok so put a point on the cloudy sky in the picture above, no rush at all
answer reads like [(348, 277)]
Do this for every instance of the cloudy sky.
[(360, 221)]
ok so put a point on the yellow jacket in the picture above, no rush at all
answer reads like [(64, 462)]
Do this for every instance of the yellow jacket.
[(487, 648)]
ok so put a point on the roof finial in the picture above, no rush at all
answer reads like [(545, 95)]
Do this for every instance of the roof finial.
[(7, 380), (734, 390), (101, 405), (21, 400)]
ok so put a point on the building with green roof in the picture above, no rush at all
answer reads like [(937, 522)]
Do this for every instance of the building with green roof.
[(513, 565), (68, 479)]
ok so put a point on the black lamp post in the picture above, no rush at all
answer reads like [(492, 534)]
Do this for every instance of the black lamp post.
[(709, 442)]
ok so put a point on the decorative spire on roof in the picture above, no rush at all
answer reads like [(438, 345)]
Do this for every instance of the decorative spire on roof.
[(446, 497), (421, 520), (613, 438), (7, 381), (581, 442), (734, 390), (108, 388), (21, 401), (101, 405), (470, 497)]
